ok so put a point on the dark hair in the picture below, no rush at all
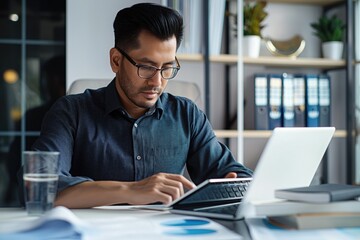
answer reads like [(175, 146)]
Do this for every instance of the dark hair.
[(160, 21)]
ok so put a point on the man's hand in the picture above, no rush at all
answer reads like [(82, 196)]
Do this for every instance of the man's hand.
[(161, 187), (231, 175)]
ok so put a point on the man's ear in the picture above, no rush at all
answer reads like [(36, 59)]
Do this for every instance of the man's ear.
[(114, 59)]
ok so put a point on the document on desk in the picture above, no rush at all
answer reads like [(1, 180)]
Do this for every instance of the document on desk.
[(155, 225), (58, 223), (260, 229), (112, 222)]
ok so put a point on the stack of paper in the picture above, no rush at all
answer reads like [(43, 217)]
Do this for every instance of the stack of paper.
[(320, 193), (315, 207), (260, 229), (111, 222), (317, 220), (58, 223)]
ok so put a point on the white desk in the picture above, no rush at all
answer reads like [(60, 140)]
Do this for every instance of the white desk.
[(120, 223)]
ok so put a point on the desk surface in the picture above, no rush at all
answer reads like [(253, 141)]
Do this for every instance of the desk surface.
[(119, 221), (124, 223)]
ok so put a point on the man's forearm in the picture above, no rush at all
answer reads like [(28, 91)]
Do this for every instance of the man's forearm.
[(92, 194), (161, 187)]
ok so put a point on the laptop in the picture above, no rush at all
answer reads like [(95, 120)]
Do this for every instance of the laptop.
[(289, 159)]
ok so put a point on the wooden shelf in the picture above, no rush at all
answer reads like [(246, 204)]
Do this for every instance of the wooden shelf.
[(190, 57), (295, 62), (226, 133), (223, 58), (260, 134), (321, 63), (310, 2)]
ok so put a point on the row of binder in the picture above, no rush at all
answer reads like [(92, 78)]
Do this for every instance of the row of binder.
[(291, 100)]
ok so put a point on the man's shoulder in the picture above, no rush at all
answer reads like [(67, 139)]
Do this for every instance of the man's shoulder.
[(90, 97), (87, 95), (168, 98)]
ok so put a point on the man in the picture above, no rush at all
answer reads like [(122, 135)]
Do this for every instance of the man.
[(129, 142)]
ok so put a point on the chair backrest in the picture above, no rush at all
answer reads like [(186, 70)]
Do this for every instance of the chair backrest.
[(175, 87)]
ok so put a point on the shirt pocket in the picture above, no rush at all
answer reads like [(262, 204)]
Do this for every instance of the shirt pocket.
[(169, 159)]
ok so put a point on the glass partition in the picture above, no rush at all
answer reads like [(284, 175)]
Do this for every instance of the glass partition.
[(32, 76)]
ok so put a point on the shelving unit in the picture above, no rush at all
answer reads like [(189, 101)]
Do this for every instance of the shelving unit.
[(321, 65), (283, 62), (350, 91), (316, 64), (269, 61)]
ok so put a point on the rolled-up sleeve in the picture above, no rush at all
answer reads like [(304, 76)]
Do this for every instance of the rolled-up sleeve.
[(58, 134), (209, 158)]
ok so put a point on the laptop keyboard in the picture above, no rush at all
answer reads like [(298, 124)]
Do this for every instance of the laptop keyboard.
[(220, 192), (222, 209)]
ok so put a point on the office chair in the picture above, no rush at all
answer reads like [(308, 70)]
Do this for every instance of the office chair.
[(175, 87)]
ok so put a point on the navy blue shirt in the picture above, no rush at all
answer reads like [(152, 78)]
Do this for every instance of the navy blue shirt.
[(98, 140)]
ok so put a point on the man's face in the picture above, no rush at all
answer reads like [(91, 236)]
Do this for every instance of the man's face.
[(138, 94)]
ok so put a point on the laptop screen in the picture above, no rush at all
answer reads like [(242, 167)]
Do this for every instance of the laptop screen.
[(290, 159)]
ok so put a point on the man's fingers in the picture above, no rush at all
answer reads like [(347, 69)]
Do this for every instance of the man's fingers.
[(164, 195), (161, 187), (231, 175), (169, 185), (173, 192), (185, 182)]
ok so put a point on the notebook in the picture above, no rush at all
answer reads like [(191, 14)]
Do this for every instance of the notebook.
[(289, 159)]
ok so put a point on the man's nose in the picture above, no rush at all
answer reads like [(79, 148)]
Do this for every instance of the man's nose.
[(156, 80)]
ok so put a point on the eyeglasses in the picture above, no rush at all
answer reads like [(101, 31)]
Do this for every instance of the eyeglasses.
[(146, 71)]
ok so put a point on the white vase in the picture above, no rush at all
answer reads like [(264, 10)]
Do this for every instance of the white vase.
[(333, 50), (251, 46)]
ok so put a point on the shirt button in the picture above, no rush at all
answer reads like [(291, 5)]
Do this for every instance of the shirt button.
[(138, 157), (135, 125)]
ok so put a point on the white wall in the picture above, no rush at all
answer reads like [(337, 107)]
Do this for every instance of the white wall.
[(89, 37)]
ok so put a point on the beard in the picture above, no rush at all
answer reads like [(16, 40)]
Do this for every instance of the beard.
[(136, 95)]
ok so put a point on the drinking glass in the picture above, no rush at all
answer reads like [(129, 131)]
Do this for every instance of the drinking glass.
[(40, 180)]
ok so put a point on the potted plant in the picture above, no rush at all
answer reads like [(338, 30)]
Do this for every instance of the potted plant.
[(254, 15), (331, 32)]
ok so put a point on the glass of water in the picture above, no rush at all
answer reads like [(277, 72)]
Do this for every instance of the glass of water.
[(40, 180)]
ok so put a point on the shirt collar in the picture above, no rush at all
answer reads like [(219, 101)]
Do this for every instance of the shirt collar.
[(112, 102)]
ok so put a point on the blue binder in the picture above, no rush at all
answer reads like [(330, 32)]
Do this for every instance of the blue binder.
[(324, 100), (312, 100), (261, 102), (299, 100), (288, 111), (275, 99)]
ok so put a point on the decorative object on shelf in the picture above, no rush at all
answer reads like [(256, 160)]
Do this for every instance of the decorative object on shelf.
[(254, 15), (287, 48), (330, 31)]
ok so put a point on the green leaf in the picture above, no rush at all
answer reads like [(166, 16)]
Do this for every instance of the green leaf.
[(329, 29), (254, 15)]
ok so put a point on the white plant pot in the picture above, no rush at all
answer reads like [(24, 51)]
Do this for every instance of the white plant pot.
[(251, 46), (333, 50)]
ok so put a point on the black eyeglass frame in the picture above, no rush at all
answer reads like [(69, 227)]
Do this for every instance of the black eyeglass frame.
[(175, 69)]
